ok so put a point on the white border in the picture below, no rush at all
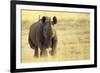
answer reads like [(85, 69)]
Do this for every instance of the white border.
[(51, 64)]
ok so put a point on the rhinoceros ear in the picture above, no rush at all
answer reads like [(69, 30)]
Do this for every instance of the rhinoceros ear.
[(43, 19), (54, 20)]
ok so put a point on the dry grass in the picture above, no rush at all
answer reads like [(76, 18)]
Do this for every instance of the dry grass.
[(73, 31)]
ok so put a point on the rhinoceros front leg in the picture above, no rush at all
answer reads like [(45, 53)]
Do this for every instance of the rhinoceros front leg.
[(53, 46), (37, 52)]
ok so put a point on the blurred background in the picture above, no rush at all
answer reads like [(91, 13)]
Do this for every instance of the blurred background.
[(73, 31)]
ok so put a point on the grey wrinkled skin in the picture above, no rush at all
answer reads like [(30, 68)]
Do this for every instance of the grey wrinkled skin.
[(43, 36)]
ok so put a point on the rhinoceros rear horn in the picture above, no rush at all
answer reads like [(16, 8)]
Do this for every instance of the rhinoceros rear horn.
[(43, 19), (54, 20)]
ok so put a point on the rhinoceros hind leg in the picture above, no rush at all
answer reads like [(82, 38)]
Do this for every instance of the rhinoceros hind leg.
[(44, 52)]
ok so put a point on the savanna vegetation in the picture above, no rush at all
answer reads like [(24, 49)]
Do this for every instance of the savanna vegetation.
[(73, 31)]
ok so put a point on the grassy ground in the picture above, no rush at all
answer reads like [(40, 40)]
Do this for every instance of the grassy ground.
[(73, 31)]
